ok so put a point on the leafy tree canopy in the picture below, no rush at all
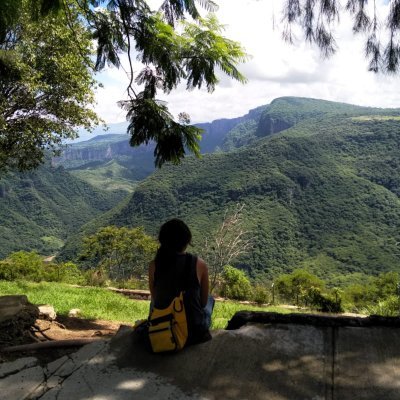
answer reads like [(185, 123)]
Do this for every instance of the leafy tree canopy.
[(122, 252), (46, 82), (45, 91)]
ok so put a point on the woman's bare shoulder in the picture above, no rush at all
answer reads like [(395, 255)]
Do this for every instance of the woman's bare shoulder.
[(201, 264)]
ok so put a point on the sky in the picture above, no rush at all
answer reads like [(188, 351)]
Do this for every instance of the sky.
[(275, 69)]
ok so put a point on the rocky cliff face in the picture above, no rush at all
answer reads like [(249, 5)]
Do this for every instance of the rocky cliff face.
[(269, 125), (109, 146), (101, 152)]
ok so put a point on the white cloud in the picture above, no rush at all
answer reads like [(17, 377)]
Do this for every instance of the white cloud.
[(276, 69)]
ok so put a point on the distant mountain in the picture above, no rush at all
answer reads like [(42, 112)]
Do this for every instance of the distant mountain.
[(323, 194), (40, 209), (109, 162)]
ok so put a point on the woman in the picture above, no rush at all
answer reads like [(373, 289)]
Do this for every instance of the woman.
[(173, 271)]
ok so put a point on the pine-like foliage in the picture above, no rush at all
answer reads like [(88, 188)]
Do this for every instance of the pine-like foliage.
[(317, 18)]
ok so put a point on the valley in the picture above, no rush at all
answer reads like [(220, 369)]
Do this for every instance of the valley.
[(319, 181)]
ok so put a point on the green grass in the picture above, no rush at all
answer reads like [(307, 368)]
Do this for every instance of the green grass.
[(224, 311), (106, 178), (376, 118), (95, 303), (99, 303)]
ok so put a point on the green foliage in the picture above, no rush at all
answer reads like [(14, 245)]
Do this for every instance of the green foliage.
[(31, 267), (375, 295), (322, 195), (260, 294), (298, 286), (121, 252), (104, 304), (241, 135), (235, 284), (109, 175), (96, 303), (46, 91), (390, 307), (47, 52), (192, 56), (324, 302), (63, 272), (22, 265), (40, 209)]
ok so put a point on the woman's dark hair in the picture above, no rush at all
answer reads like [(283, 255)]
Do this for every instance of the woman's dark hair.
[(174, 236)]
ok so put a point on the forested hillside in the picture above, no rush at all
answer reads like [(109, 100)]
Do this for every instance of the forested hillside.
[(323, 194), (39, 210)]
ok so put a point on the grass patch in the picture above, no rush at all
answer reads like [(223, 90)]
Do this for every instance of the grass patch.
[(100, 303), (376, 118), (95, 303), (224, 311)]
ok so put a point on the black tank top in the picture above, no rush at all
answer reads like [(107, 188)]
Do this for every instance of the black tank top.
[(170, 280)]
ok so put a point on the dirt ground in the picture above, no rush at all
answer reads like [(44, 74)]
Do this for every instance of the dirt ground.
[(76, 328), (63, 328)]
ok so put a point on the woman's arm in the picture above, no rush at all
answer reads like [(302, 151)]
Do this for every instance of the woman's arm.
[(152, 268), (202, 274)]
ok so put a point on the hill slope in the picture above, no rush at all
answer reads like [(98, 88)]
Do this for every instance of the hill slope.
[(38, 210)]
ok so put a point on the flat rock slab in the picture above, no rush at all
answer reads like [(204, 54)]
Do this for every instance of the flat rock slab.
[(9, 368), (257, 362), (280, 361), (367, 363)]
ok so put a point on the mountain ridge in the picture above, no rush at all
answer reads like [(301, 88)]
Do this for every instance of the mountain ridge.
[(320, 195)]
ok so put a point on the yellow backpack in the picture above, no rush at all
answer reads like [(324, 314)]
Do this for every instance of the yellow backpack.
[(167, 327)]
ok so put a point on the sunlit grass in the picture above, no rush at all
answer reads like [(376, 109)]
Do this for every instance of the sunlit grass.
[(100, 303), (94, 303), (224, 311), (376, 118)]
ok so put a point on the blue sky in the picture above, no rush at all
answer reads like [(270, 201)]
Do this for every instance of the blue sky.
[(276, 69)]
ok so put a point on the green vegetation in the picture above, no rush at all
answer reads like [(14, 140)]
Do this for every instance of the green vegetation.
[(108, 161), (235, 284), (100, 303), (39, 210), (321, 210), (94, 302), (302, 288), (375, 295), (109, 176), (20, 273), (121, 252), (322, 195), (46, 81), (30, 266), (46, 48)]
